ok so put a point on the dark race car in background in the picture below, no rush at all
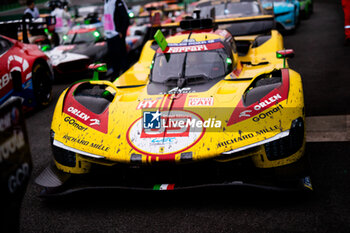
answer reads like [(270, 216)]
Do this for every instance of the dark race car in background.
[(25, 72), (15, 163), (83, 45), (286, 13), (86, 44), (242, 10)]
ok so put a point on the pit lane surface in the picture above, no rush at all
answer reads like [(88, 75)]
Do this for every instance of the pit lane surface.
[(323, 62)]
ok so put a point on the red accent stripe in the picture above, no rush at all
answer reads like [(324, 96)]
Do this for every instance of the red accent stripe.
[(161, 103), (81, 30), (191, 48), (281, 91), (166, 105), (71, 102), (179, 101)]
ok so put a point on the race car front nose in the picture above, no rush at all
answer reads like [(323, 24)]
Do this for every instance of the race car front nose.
[(72, 67), (281, 145)]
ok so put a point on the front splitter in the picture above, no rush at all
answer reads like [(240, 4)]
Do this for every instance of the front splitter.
[(56, 183)]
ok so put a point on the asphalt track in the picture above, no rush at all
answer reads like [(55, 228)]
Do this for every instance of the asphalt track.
[(324, 64)]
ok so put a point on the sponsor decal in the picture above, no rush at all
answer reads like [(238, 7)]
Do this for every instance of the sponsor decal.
[(5, 122), (189, 42), (174, 136), (192, 47), (4, 80), (17, 179), (11, 145), (76, 140), (246, 136), (276, 96), (162, 141), (267, 102), (78, 113), (206, 101), (74, 123), (245, 113), (147, 104), (86, 143), (268, 113), (163, 187), (99, 146), (95, 122), (177, 90)]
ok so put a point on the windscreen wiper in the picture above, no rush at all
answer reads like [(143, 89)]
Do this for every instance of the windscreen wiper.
[(181, 81)]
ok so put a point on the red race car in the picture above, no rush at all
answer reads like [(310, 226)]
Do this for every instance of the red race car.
[(25, 71)]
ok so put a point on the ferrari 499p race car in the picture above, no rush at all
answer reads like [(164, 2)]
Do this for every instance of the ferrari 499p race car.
[(190, 114), (25, 72)]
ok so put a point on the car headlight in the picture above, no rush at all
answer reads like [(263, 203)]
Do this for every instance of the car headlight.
[(289, 145)]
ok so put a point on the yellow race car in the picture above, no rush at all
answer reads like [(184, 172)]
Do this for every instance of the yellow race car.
[(191, 113)]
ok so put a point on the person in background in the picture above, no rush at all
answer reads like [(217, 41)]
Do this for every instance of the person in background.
[(31, 12), (62, 20), (346, 9), (116, 22)]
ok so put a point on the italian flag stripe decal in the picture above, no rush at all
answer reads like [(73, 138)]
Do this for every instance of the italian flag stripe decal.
[(164, 187)]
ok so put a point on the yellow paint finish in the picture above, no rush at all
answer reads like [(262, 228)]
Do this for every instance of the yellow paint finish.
[(226, 94)]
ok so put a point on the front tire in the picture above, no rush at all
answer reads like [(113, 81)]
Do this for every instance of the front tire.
[(42, 84)]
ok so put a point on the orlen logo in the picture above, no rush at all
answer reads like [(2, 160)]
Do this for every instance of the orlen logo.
[(81, 115), (267, 102), (168, 139)]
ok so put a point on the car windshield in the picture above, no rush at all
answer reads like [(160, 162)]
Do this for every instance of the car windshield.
[(200, 66), (232, 9), (77, 38)]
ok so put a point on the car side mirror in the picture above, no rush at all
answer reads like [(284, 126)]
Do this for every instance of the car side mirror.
[(98, 68), (284, 54)]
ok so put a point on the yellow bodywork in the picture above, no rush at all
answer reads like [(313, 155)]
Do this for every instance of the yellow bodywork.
[(120, 143)]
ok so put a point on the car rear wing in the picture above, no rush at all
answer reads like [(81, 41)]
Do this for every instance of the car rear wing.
[(248, 25), (236, 26), (12, 27)]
